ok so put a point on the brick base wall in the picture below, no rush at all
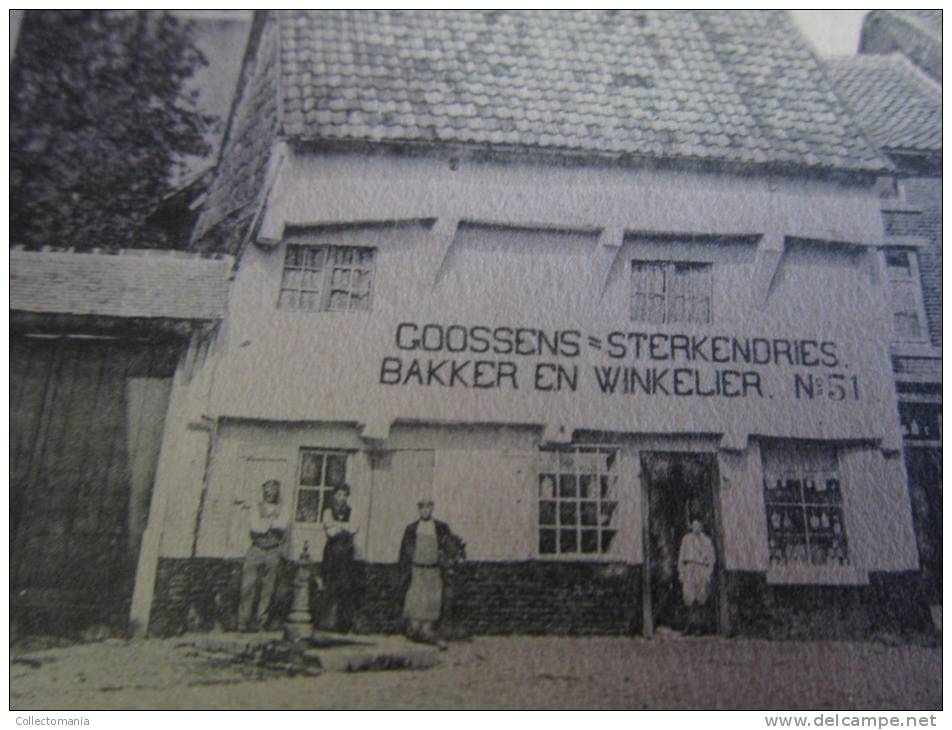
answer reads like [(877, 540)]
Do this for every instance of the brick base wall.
[(485, 598), (539, 597), (892, 603)]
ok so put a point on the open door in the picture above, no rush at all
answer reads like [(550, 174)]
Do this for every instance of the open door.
[(678, 488)]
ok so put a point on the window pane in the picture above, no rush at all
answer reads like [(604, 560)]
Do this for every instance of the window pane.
[(312, 280), (607, 537), (567, 487), (312, 465), (586, 486), (782, 489), (898, 263), (546, 513), (608, 512), (309, 301), (568, 541), (341, 278), (336, 470), (308, 505), (314, 257), (360, 301), (547, 542), (293, 256), (547, 486), (339, 301), (360, 281), (589, 513), (589, 541), (291, 279), (568, 513), (288, 300)]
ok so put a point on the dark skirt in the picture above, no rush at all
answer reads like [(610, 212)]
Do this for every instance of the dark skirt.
[(342, 584)]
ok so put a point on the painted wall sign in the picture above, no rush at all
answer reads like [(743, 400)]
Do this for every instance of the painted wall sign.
[(638, 363)]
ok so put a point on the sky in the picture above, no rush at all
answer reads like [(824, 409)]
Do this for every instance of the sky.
[(831, 32)]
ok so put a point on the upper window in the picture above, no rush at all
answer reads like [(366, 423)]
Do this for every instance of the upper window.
[(321, 472), (902, 272), (670, 291), (804, 503), (327, 278), (577, 500)]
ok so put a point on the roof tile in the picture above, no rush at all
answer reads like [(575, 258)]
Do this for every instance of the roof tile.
[(731, 80), (897, 105)]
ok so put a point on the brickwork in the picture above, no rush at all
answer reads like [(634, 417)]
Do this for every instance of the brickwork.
[(483, 598), (924, 193), (537, 597), (892, 603)]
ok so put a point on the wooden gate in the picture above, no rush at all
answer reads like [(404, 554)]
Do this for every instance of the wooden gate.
[(86, 426)]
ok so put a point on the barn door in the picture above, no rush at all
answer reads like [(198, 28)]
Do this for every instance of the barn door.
[(83, 449)]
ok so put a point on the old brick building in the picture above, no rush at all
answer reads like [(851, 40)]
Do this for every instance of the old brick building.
[(898, 103), (581, 276)]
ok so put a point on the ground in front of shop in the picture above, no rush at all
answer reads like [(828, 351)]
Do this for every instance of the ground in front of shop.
[(493, 673)]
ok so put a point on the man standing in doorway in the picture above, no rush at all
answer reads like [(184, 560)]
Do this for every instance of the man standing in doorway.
[(695, 570), (269, 527), (427, 546)]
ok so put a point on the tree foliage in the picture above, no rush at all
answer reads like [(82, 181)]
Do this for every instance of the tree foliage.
[(99, 122)]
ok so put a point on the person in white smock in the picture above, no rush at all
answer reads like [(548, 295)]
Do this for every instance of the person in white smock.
[(695, 570), (427, 547)]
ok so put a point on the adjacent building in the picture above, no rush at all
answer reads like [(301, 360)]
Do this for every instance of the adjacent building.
[(898, 103), (96, 340), (580, 276)]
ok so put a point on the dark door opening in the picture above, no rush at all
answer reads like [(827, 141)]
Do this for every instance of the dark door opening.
[(678, 488), (924, 467)]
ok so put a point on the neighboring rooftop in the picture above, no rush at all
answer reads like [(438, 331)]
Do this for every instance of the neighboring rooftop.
[(898, 106), (689, 87), (917, 34), (154, 284)]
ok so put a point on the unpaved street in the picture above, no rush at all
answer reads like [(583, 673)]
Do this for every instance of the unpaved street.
[(499, 673)]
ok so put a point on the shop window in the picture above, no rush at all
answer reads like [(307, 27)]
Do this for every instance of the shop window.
[(320, 472), (920, 421), (804, 502), (671, 291), (327, 278), (577, 500), (902, 273)]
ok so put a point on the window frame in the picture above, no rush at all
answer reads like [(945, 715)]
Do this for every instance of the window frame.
[(777, 480), (325, 490), (613, 493), (326, 272), (913, 282), (668, 269)]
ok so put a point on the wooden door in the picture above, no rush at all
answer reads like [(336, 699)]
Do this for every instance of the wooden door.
[(79, 450)]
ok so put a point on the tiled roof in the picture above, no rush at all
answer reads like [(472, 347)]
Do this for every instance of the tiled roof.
[(917, 34), (926, 21), (726, 86), (238, 185), (896, 104), (167, 285)]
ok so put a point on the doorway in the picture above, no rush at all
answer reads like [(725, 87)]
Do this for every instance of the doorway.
[(678, 488)]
